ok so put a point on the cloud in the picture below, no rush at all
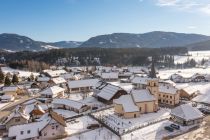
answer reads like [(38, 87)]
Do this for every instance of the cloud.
[(202, 6)]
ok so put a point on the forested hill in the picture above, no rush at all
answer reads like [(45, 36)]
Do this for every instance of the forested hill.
[(95, 56)]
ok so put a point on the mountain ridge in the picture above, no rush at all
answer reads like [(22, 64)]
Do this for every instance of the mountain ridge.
[(155, 39)]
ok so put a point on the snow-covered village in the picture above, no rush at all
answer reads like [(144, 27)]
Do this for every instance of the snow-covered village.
[(107, 103), (104, 69)]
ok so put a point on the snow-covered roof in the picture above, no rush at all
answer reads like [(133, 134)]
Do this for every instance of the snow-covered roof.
[(127, 102), (71, 103), (11, 88), (186, 112), (55, 72), (67, 75), (43, 79), (109, 75), (140, 80), (108, 91), (167, 89), (168, 82), (82, 83), (190, 90), (58, 80), (52, 90), (142, 95), (203, 98), (7, 97)]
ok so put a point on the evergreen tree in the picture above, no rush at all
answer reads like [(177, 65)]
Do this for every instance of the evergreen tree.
[(15, 79), (1, 76), (7, 81), (152, 72), (32, 77)]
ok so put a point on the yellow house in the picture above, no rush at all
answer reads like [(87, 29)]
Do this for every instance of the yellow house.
[(169, 95)]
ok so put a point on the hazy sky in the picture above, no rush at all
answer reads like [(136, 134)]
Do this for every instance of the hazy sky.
[(55, 20)]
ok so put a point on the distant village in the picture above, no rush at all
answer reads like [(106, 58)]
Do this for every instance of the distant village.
[(102, 103)]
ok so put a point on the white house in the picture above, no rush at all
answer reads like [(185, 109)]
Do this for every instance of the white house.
[(81, 85), (51, 126), (52, 92)]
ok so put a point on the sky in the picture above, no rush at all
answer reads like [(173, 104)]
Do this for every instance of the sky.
[(78, 20)]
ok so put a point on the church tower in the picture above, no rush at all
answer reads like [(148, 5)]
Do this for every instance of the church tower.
[(153, 87)]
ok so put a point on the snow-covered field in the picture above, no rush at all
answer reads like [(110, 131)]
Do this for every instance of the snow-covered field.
[(21, 72), (196, 55), (97, 134), (165, 73)]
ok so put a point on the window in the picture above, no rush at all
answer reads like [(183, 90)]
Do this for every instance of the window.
[(166, 96), (53, 127), (164, 101), (17, 119), (56, 126), (21, 132), (171, 97), (163, 95), (53, 133), (170, 102), (139, 108), (29, 131), (45, 134)]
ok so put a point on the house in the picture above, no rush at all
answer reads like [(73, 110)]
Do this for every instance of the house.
[(109, 92), (125, 74), (168, 95), (180, 78), (186, 115), (140, 82), (81, 85), (110, 76), (35, 110), (11, 90), (55, 73), (57, 81), (42, 82), (202, 98), (138, 102), (198, 78), (68, 104), (188, 92), (17, 117), (52, 92), (43, 79), (51, 126), (7, 98)]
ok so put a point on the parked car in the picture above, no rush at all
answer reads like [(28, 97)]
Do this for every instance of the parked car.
[(94, 108), (170, 129), (93, 126), (175, 126)]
